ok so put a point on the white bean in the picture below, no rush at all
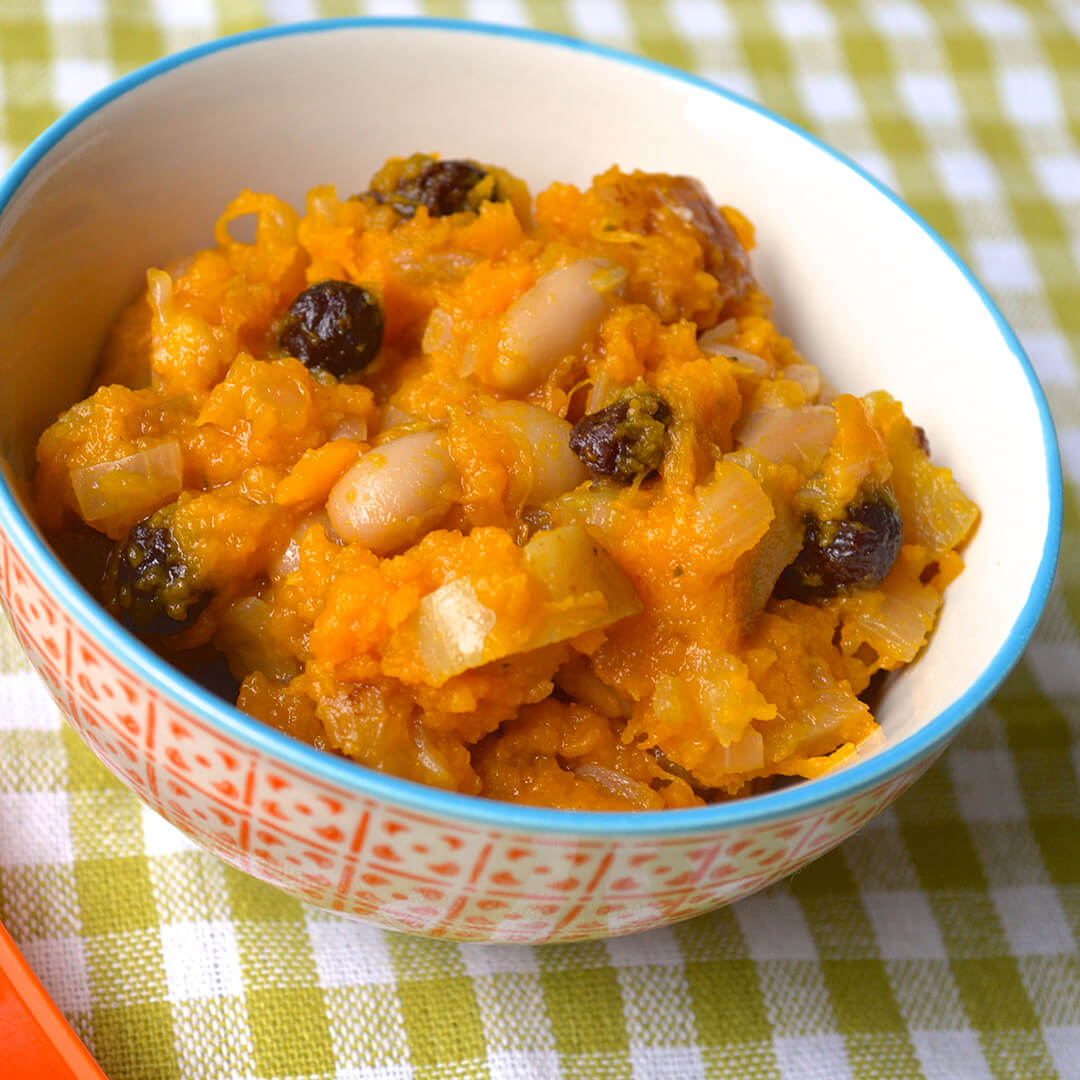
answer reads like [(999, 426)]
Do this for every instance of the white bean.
[(394, 494), (556, 317), (546, 438)]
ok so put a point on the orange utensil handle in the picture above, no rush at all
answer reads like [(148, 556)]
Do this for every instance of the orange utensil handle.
[(36, 1042)]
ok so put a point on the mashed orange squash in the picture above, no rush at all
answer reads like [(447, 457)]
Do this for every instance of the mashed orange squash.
[(528, 500)]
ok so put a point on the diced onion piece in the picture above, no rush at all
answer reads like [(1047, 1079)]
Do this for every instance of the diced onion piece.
[(580, 589), (617, 784), (760, 568), (896, 620), (935, 511), (349, 427), (745, 755), (807, 376), (733, 514), (555, 318), (452, 629), (603, 392), (719, 334), (702, 723), (439, 332), (897, 628), (800, 436), (120, 492), (828, 712), (546, 440), (583, 588), (721, 348), (393, 417)]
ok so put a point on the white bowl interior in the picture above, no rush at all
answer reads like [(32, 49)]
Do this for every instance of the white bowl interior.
[(863, 290)]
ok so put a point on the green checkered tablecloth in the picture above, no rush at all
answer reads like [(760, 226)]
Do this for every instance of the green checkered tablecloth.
[(941, 941)]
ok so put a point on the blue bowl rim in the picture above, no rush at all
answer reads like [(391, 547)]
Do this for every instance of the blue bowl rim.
[(806, 797)]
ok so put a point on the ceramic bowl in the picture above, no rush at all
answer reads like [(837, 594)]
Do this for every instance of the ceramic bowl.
[(137, 175)]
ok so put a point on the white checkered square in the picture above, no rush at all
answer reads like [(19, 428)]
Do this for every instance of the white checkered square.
[(1064, 1046), (35, 828), (1033, 920), (775, 928), (160, 837), (76, 80), (524, 1065), (1052, 359), (831, 96), (996, 19), (1059, 175), (395, 8), (348, 953), (600, 18), (985, 785), (736, 81), (59, 11), (505, 960), (60, 963), (283, 11), (201, 960), (1069, 441), (1056, 666), (1031, 98), (25, 704), (967, 175), (949, 1055), (878, 166), (394, 1071), (666, 1063), (699, 19), (812, 1057), (657, 948), (896, 19), (504, 12), (802, 19), (904, 925), (1003, 262), (932, 97), (185, 14)]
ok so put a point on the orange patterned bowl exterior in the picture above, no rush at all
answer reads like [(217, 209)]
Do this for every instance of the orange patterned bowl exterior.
[(133, 178), (380, 860)]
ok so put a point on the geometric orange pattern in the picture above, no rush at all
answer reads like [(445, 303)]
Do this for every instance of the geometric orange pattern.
[(369, 858)]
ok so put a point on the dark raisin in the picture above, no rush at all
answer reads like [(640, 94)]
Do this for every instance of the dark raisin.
[(334, 325), (921, 440), (149, 584), (842, 556), (442, 186), (626, 439)]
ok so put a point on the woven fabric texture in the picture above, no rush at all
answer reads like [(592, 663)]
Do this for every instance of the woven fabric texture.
[(939, 942)]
